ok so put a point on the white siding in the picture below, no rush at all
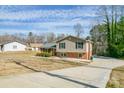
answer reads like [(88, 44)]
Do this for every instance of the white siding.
[(70, 47), (9, 47)]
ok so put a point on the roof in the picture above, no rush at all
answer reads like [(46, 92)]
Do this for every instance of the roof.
[(49, 45), (37, 45), (72, 38), (10, 41)]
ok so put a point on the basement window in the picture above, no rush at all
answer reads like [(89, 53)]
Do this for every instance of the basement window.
[(63, 54), (80, 55)]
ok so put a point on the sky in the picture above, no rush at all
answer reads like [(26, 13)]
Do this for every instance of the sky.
[(42, 19)]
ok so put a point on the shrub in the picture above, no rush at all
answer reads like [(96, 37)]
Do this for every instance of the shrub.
[(117, 51), (114, 51), (44, 54), (122, 52)]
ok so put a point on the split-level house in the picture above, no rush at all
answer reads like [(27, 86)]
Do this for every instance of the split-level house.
[(74, 47)]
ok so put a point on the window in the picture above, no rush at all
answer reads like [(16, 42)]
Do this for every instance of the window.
[(61, 45), (63, 54), (80, 55), (79, 45), (14, 47)]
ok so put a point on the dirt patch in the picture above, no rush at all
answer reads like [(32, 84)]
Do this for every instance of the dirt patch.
[(23, 62), (117, 78)]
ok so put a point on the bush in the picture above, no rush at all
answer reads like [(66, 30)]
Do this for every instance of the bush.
[(44, 54), (117, 51), (114, 51), (122, 52)]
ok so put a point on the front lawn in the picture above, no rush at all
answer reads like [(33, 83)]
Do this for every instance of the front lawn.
[(117, 78), (12, 63)]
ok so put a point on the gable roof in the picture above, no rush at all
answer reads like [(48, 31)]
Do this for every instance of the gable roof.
[(10, 41), (72, 38)]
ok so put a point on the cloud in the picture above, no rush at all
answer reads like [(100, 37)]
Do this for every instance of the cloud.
[(57, 27), (45, 14), (22, 19)]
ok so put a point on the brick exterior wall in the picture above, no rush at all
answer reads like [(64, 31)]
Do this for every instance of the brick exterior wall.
[(70, 54), (86, 55)]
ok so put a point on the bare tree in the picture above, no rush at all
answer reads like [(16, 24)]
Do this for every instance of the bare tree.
[(98, 36), (30, 38), (39, 38), (35, 38), (60, 36), (78, 29), (51, 37)]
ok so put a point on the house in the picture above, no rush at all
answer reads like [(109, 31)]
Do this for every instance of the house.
[(12, 46), (49, 47), (74, 47), (34, 46)]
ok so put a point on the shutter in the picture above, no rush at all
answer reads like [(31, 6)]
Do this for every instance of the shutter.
[(76, 45)]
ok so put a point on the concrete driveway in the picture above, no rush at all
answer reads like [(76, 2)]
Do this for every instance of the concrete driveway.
[(94, 75)]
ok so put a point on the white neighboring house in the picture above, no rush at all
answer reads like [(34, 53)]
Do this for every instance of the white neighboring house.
[(12, 46)]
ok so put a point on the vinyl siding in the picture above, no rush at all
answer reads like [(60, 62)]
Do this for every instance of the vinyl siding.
[(70, 47), (9, 47)]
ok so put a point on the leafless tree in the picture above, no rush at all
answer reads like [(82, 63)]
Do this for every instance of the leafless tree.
[(30, 38), (60, 36), (78, 29), (51, 37)]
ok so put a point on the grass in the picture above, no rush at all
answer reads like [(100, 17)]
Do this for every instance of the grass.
[(117, 78), (9, 66)]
